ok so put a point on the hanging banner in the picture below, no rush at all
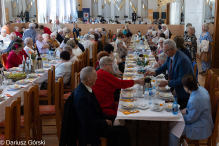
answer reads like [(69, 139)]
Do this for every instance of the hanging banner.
[(86, 14)]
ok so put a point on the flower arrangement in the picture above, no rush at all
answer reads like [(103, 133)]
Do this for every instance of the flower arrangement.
[(33, 55), (141, 62)]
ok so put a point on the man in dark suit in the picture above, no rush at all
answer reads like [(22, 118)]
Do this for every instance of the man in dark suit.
[(59, 37), (92, 123), (134, 16), (178, 65)]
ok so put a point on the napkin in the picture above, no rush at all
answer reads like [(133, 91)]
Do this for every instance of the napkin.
[(128, 112), (8, 95)]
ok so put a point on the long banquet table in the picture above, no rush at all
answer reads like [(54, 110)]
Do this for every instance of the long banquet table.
[(20, 93), (176, 121)]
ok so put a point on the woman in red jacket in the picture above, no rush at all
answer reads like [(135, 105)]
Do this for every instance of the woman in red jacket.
[(106, 84), (14, 60)]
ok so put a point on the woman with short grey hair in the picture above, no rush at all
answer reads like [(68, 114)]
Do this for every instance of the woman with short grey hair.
[(88, 44), (206, 36), (16, 28), (4, 36), (190, 42), (29, 45), (162, 59)]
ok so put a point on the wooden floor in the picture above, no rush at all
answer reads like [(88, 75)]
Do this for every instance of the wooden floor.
[(147, 137)]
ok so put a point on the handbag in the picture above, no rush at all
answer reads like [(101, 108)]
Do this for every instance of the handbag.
[(204, 54)]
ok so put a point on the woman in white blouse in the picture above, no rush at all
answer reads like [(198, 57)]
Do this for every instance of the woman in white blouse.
[(4, 36), (75, 51), (165, 30), (29, 45), (64, 69), (73, 58)]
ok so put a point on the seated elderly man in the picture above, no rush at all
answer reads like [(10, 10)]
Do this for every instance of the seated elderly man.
[(106, 85), (91, 122), (6, 26), (76, 30), (30, 32), (57, 25), (4, 36), (16, 28), (13, 37), (197, 114), (64, 69), (88, 44), (59, 37), (52, 41), (73, 58), (42, 45)]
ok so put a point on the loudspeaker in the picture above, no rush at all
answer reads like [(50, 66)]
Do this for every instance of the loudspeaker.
[(163, 15), (80, 14), (155, 15)]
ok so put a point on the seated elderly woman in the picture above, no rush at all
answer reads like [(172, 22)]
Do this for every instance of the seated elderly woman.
[(92, 38), (179, 40), (91, 31), (76, 51), (99, 56), (150, 35), (63, 44), (16, 28), (64, 69), (121, 50), (106, 85), (79, 46), (4, 36), (197, 115), (73, 58), (165, 31), (14, 60), (52, 41), (88, 44), (159, 49), (161, 60), (29, 45)]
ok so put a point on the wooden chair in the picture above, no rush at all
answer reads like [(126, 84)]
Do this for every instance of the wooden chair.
[(88, 57), (31, 111), (52, 111), (71, 87), (94, 58), (75, 35), (85, 58), (195, 68), (80, 63), (12, 121), (209, 80), (77, 79), (49, 93), (4, 60)]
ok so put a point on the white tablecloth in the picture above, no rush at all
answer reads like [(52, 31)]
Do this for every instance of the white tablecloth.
[(20, 93), (177, 122)]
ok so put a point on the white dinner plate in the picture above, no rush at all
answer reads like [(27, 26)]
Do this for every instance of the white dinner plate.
[(128, 105), (32, 75), (157, 110), (143, 106), (40, 71), (22, 82), (131, 88)]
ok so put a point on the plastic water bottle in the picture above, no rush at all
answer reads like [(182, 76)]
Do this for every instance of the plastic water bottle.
[(146, 94), (155, 94), (150, 97), (175, 106), (138, 52)]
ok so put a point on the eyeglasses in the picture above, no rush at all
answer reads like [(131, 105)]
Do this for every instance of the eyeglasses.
[(167, 50), (109, 64)]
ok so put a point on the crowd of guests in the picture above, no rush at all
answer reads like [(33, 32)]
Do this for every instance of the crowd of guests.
[(95, 100)]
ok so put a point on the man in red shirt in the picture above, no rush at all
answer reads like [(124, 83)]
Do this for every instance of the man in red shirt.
[(45, 29)]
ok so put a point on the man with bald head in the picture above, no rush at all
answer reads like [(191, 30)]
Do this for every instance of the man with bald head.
[(57, 25), (42, 45), (91, 122)]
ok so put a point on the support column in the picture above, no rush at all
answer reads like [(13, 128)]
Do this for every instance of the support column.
[(215, 50), (112, 10), (168, 13), (80, 3), (127, 5), (139, 8), (99, 7), (36, 11)]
